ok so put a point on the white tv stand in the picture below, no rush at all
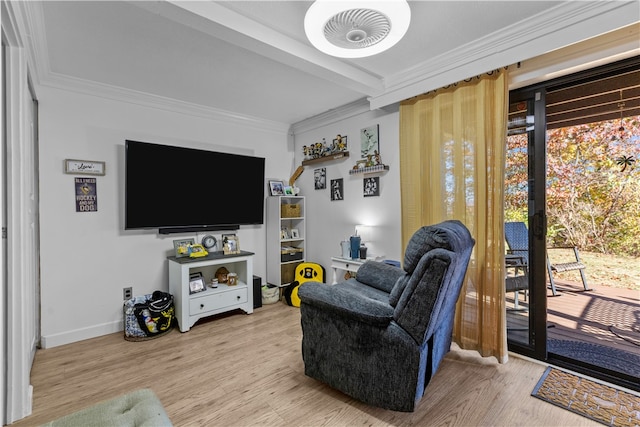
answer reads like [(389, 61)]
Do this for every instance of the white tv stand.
[(192, 307)]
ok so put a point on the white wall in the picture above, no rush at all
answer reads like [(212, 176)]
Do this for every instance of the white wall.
[(87, 258), (328, 222)]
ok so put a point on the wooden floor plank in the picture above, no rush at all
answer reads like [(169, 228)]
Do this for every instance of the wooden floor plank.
[(247, 370)]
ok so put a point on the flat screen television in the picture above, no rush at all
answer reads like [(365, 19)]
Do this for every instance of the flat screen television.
[(179, 189)]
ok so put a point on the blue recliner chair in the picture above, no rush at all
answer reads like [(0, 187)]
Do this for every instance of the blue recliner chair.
[(381, 337)]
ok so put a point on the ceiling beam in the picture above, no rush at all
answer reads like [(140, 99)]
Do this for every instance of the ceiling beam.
[(216, 20)]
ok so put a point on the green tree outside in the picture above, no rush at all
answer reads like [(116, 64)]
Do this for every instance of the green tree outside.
[(593, 185)]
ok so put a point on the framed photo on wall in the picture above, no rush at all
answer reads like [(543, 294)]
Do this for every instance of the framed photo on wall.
[(371, 186), (369, 142), (337, 189), (320, 178)]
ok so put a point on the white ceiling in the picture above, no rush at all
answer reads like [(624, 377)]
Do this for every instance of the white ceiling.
[(252, 59)]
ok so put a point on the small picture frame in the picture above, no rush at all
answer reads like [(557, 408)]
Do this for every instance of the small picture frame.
[(196, 283), (320, 178), (295, 233), (371, 186), (284, 233), (337, 189), (339, 143), (182, 247), (84, 167), (288, 190), (276, 188), (231, 245)]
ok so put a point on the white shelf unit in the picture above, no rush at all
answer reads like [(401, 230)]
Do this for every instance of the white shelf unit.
[(192, 307), (281, 271)]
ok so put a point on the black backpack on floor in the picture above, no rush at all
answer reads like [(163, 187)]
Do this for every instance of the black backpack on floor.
[(157, 315)]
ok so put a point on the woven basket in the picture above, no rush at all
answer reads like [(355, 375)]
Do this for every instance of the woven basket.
[(290, 211)]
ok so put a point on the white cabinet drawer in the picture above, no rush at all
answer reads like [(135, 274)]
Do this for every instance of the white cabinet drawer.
[(217, 301)]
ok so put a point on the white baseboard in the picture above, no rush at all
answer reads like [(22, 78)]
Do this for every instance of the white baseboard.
[(55, 340)]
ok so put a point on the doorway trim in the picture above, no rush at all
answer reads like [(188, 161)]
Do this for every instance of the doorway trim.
[(20, 217)]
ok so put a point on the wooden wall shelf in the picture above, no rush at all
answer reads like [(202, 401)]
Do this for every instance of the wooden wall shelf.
[(369, 169), (335, 156)]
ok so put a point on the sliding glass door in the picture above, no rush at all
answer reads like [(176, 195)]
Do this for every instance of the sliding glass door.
[(525, 223), (571, 184)]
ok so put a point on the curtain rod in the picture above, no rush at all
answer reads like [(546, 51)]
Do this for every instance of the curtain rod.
[(467, 80)]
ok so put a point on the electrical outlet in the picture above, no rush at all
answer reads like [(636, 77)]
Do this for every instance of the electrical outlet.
[(127, 293)]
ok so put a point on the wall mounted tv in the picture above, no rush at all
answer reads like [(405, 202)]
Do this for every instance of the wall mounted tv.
[(178, 189)]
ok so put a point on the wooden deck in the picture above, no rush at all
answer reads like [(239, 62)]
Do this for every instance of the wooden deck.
[(605, 315)]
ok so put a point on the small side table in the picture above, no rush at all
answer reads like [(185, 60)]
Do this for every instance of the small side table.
[(347, 264)]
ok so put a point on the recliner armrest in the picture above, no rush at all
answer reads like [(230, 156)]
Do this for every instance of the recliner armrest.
[(379, 275), (336, 300)]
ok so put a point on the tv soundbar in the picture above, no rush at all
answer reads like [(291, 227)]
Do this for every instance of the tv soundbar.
[(173, 230)]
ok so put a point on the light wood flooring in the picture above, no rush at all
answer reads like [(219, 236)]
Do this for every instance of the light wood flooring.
[(247, 370)]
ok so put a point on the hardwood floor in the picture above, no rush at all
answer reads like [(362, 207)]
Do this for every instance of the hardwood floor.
[(247, 370)]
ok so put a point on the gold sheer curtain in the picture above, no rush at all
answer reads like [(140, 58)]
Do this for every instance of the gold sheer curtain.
[(452, 148)]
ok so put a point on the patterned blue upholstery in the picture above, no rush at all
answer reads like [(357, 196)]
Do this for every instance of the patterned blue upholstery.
[(381, 337)]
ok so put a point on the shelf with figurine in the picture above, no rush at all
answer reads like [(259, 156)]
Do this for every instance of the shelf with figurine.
[(322, 152), (371, 164)]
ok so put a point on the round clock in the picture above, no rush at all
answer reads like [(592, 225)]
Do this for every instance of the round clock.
[(209, 241)]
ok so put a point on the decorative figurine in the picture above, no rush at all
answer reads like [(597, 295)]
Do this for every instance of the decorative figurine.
[(306, 152), (369, 160), (221, 275), (376, 158)]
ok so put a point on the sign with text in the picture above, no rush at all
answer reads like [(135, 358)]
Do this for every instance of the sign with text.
[(86, 195)]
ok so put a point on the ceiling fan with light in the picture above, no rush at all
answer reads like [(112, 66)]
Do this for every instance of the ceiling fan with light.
[(356, 28)]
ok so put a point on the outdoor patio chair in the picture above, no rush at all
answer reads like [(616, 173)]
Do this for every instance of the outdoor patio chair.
[(516, 281), (517, 278), (517, 237)]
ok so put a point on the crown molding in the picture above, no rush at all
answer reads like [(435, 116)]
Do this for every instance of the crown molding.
[(555, 28), (116, 93), (32, 17), (9, 26), (29, 15), (331, 116)]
